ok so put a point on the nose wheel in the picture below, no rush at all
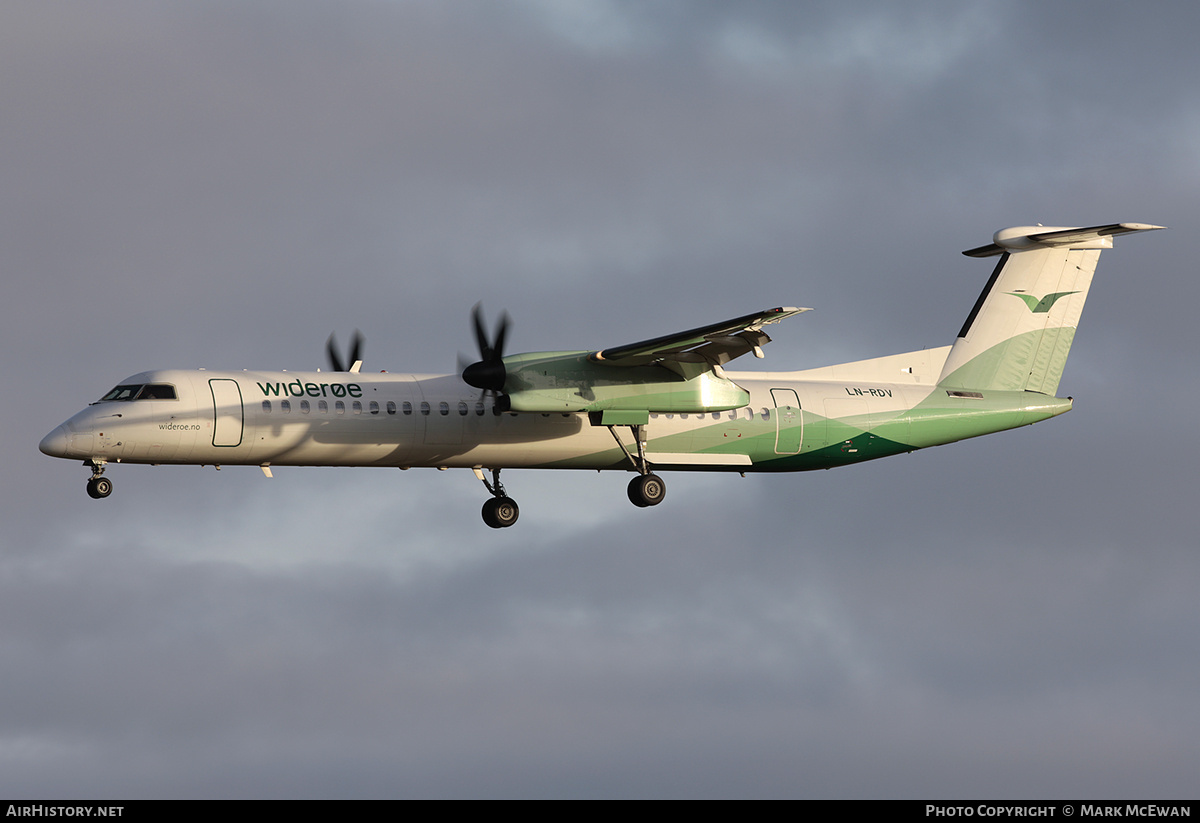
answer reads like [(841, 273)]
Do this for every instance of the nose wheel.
[(99, 486), (501, 511)]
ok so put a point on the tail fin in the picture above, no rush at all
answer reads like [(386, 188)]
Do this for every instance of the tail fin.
[(1017, 336)]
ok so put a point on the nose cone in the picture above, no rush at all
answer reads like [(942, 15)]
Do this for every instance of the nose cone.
[(55, 443)]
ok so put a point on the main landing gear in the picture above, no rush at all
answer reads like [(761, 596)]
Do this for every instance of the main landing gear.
[(98, 486), (501, 511), (647, 489)]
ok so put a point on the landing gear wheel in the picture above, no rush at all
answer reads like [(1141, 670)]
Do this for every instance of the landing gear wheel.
[(99, 488), (500, 512), (647, 490)]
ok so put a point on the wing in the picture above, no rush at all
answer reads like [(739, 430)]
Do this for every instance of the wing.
[(712, 345)]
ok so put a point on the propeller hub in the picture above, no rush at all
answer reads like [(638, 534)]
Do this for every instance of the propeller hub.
[(486, 374)]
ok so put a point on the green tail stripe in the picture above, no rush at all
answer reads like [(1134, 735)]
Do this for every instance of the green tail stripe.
[(1032, 361)]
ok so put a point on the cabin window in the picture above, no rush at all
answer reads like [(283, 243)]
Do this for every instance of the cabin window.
[(322, 407), (391, 407), (266, 407), (443, 408), (766, 414), (373, 407), (304, 407), (425, 407), (357, 406), (285, 406), (406, 407), (462, 407), (339, 407), (479, 409)]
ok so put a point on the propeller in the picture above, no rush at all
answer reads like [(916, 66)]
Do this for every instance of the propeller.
[(335, 359), (488, 372)]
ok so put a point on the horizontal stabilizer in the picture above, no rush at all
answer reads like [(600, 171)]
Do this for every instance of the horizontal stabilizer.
[(1024, 238)]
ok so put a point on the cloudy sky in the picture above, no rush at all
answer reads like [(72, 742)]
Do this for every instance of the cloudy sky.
[(221, 184)]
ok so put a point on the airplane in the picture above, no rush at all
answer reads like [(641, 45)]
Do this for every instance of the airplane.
[(664, 404)]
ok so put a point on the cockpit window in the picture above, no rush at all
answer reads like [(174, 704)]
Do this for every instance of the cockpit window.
[(142, 391), (122, 393), (157, 391)]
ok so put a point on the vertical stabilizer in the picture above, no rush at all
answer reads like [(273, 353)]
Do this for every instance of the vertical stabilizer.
[(1017, 336)]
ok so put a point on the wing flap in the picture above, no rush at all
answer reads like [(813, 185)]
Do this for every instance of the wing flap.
[(715, 344)]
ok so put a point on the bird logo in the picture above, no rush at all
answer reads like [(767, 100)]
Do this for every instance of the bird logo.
[(1041, 306)]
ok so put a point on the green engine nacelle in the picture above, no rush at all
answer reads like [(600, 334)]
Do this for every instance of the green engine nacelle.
[(571, 382)]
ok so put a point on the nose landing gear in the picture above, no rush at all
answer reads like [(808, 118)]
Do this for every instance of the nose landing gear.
[(98, 486)]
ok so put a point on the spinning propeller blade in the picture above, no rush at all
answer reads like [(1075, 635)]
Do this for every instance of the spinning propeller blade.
[(488, 372), (335, 359)]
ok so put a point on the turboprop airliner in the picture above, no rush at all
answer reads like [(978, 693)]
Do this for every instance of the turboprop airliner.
[(665, 404)]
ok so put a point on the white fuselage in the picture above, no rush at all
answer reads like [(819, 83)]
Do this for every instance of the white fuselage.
[(794, 421), (353, 419)]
